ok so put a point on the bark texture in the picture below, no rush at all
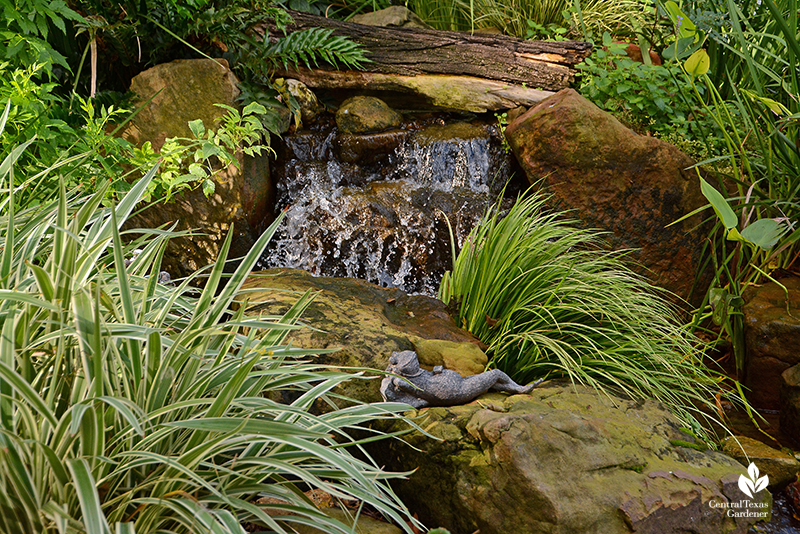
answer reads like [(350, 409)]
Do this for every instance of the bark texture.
[(409, 52)]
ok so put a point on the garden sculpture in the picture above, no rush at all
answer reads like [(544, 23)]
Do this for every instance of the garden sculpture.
[(442, 387)]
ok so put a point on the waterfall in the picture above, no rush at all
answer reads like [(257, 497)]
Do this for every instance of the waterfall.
[(374, 206)]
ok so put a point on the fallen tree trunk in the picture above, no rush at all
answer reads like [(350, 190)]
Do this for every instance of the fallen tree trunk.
[(546, 65)]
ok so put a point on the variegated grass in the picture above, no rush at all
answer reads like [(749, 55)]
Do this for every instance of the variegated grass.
[(129, 406)]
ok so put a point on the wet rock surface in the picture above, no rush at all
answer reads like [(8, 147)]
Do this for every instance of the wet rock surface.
[(366, 114), (772, 340), (631, 185), (779, 466), (310, 107), (563, 460)]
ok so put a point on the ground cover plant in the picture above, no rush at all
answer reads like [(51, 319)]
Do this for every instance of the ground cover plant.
[(550, 303), (131, 406), (541, 19)]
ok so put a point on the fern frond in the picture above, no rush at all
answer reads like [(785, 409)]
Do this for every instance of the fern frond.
[(306, 47)]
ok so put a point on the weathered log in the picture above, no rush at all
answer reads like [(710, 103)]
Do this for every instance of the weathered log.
[(546, 65)]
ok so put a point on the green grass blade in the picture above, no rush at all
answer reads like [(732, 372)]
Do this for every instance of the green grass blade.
[(86, 490)]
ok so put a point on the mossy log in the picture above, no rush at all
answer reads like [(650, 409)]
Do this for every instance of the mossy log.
[(489, 63)]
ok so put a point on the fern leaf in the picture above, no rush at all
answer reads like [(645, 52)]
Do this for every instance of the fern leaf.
[(308, 46)]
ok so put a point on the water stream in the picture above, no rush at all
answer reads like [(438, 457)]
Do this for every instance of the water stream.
[(377, 206)]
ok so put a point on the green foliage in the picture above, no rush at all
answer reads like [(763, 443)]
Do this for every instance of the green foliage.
[(153, 31), (130, 406), (650, 96), (30, 100), (305, 46), (186, 162), (259, 58), (540, 19), (752, 100), (25, 26), (549, 32), (549, 302), (90, 157), (502, 123)]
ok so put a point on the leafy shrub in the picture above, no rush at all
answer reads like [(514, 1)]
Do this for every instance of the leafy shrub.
[(655, 98), (90, 156), (130, 406), (186, 162), (25, 28), (135, 35), (130, 36), (549, 302)]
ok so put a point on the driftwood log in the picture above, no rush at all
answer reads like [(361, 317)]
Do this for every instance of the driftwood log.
[(456, 70)]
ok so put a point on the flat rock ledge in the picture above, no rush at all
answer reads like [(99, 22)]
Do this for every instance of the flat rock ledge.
[(564, 460)]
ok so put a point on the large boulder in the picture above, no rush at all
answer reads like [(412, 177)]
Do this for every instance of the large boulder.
[(365, 324), (175, 93), (631, 185), (772, 339), (565, 460), (170, 96)]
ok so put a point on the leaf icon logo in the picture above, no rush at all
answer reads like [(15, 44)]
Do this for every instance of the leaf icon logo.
[(753, 484)]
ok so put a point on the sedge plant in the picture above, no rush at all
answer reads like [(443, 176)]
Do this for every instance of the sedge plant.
[(549, 302), (130, 406)]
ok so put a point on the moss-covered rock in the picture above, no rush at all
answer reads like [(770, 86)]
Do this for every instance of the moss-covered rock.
[(563, 460), (365, 322), (365, 114), (170, 96), (779, 466), (392, 16), (464, 358), (310, 107)]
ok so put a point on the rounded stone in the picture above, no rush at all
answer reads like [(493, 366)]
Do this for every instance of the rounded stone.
[(366, 114), (310, 107), (634, 186)]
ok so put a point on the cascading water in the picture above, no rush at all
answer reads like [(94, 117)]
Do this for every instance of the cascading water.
[(374, 206)]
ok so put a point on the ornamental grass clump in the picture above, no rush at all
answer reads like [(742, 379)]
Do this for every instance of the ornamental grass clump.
[(131, 406), (550, 302)]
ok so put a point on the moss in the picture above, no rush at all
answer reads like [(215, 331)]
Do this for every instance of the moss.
[(635, 468), (696, 446)]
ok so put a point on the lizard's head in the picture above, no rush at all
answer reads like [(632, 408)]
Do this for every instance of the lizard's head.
[(404, 363)]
